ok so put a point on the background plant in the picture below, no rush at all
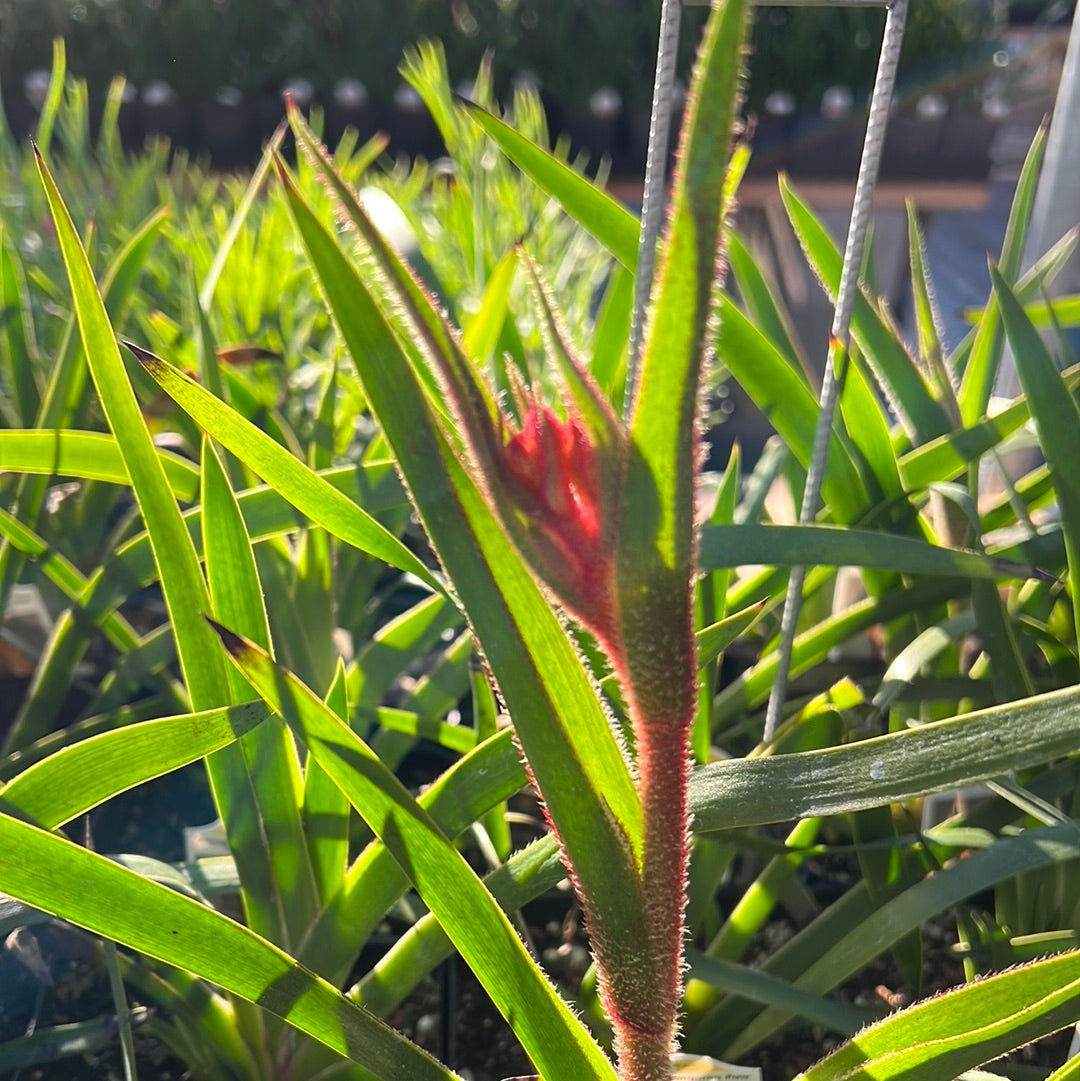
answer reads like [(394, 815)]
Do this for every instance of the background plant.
[(256, 49)]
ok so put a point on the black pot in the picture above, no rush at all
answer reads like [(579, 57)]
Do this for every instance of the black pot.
[(349, 107), (412, 131), (964, 150), (826, 149), (771, 140), (225, 131), (164, 115), (913, 146)]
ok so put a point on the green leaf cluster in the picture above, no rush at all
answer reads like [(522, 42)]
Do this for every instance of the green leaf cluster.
[(953, 663)]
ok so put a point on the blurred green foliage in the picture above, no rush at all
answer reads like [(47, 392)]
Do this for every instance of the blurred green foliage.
[(944, 45), (574, 46)]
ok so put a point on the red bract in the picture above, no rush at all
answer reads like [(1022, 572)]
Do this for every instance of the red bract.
[(553, 461), (552, 476)]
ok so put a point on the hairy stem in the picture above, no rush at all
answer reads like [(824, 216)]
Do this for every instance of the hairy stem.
[(659, 675)]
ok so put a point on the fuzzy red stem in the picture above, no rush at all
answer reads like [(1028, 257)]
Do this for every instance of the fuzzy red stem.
[(663, 762), (661, 694)]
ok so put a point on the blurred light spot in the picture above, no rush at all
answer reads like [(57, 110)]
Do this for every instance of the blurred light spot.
[(780, 103), (299, 89), (350, 93), (230, 97), (36, 87), (837, 102), (408, 100), (931, 107), (605, 103), (158, 93)]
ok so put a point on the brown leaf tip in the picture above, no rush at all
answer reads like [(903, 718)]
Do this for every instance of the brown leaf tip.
[(233, 643), (147, 359)]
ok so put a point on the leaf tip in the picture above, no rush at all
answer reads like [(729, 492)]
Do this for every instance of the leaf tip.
[(234, 644), (147, 359)]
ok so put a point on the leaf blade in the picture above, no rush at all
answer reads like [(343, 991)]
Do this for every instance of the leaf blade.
[(552, 1037)]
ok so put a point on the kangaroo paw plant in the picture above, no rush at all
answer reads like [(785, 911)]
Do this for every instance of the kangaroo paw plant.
[(602, 514), (558, 499)]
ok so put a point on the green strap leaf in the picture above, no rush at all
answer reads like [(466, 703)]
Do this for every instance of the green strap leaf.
[(257, 784), (842, 546), (305, 489), (887, 769), (325, 808), (491, 772), (769, 990), (895, 371), (608, 220), (528, 873), (548, 1031), (983, 360), (89, 455), (75, 779), (1056, 415), (946, 1035), (75, 884), (181, 578)]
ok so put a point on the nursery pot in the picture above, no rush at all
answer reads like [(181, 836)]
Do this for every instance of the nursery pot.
[(224, 130), (349, 107), (163, 114)]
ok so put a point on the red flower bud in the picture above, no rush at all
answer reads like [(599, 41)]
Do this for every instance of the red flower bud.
[(551, 474)]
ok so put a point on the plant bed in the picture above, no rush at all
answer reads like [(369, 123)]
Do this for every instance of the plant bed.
[(453, 512)]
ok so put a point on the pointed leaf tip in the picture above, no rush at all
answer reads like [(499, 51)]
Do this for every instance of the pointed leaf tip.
[(235, 644), (148, 360)]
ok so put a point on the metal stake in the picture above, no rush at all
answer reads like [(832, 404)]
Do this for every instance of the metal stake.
[(840, 336), (652, 200)]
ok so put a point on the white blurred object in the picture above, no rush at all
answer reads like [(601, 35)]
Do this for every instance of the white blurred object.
[(780, 103), (711, 1069), (25, 629), (605, 103), (931, 107), (157, 94), (350, 94), (300, 90), (837, 103), (230, 97), (36, 87), (203, 841), (408, 100)]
